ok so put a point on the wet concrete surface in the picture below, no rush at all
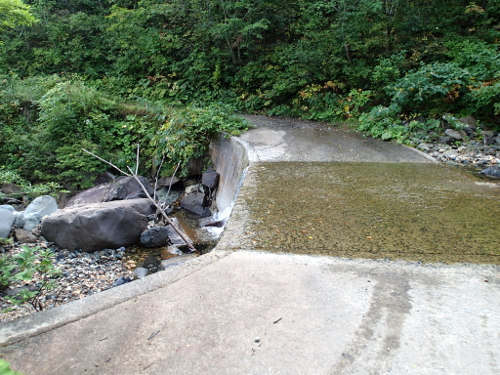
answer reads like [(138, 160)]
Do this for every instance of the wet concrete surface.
[(295, 140), (421, 212)]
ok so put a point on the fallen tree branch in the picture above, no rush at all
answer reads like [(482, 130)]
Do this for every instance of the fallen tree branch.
[(162, 212)]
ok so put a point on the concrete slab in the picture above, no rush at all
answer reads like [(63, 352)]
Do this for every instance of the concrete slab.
[(295, 140), (261, 313)]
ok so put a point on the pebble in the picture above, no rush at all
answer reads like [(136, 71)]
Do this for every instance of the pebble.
[(82, 274)]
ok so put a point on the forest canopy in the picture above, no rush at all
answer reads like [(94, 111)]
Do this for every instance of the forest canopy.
[(115, 68)]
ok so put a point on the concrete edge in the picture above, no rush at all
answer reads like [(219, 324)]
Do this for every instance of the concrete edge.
[(423, 154), (58, 316), (252, 155)]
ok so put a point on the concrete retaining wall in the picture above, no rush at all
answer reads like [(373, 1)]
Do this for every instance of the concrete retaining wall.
[(230, 157)]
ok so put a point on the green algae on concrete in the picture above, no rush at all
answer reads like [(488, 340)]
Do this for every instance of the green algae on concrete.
[(419, 212)]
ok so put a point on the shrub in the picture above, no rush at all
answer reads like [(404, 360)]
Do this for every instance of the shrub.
[(23, 266), (187, 133)]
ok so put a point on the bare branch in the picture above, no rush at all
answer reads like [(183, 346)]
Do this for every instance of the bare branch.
[(158, 175), (171, 180), (137, 161), (163, 213), (107, 162)]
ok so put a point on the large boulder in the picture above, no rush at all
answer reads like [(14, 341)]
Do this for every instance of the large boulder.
[(99, 225), (36, 210), (7, 219), (119, 189)]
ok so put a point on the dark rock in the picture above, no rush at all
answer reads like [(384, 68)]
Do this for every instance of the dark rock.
[(24, 236), (122, 280), (446, 140), (167, 182), (140, 272), (7, 219), (196, 203), (453, 134), (210, 179), (176, 261), (99, 225), (174, 237), (497, 140), (492, 172), (36, 210), (120, 189), (151, 263), (217, 224), (9, 188), (470, 132), (154, 237)]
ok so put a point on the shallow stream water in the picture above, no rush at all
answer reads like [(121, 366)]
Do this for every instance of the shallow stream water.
[(420, 212)]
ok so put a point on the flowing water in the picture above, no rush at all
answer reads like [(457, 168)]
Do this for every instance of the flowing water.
[(420, 212)]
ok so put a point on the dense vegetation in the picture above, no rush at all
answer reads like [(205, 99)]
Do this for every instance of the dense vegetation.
[(108, 74)]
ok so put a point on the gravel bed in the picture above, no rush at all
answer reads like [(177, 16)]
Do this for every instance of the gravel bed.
[(82, 274), (472, 153)]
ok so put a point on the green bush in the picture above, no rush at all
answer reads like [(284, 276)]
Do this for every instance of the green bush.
[(188, 132), (23, 266), (432, 89)]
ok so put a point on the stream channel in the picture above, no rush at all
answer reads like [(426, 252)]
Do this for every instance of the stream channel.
[(326, 191)]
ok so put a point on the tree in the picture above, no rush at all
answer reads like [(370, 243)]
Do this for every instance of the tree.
[(14, 13)]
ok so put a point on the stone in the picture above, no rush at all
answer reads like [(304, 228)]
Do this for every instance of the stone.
[(120, 189), (155, 237), (24, 236), (196, 203), (140, 272), (151, 263), (176, 261), (425, 147), (36, 210), (7, 219), (491, 172), (9, 188), (99, 225), (167, 182), (470, 121), (445, 140), (453, 134), (470, 132), (497, 140), (19, 221), (192, 188), (121, 280), (210, 180)]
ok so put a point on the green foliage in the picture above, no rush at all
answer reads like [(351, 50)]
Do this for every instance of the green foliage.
[(6, 370), (24, 266), (28, 189), (118, 66), (188, 131), (14, 13)]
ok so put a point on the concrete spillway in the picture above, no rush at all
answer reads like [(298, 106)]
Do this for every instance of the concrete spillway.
[(258, 311)]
